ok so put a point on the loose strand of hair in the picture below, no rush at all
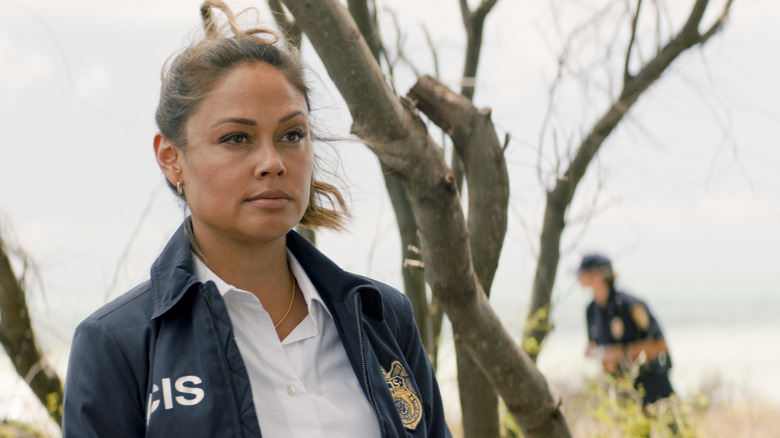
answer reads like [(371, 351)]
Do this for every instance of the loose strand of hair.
[(209, 27), (318, 215), (212, 30)]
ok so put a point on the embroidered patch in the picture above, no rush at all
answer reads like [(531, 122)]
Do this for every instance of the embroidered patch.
[(641, 318), (406, 401), (617, 328)]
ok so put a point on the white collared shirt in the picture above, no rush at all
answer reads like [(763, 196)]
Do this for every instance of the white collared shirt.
[(302, 386)]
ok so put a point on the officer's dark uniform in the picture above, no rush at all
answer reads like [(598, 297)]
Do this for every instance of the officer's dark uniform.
[(626, 319)]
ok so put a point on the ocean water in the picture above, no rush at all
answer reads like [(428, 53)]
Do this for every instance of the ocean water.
[(723, 332), (719, 331)]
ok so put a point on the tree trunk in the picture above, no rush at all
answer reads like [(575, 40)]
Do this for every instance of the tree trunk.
[(412, 268), (16, 335), (478, 147), (478, 400)]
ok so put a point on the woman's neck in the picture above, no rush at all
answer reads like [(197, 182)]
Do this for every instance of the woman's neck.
[(257, 267), (601, 293)]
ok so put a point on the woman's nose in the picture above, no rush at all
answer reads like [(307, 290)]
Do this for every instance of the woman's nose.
[(269, 161)]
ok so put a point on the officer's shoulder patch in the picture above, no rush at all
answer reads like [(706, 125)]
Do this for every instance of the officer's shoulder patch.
[(406, 401), (640, 316)]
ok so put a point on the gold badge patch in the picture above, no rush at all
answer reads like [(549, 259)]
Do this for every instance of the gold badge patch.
[(617, 328), (641, 318), (406, 401)]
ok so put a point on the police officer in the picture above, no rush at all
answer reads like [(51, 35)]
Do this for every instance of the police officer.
[(623, 333)]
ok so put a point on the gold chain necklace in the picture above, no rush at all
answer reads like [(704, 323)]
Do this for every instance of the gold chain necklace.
[(292, 298)]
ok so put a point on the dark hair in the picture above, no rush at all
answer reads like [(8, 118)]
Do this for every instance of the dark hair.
[(193, 73), (598, 263)]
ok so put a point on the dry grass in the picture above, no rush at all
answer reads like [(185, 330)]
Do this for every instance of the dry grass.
[(747, 419), (711, 413), (754, 419)]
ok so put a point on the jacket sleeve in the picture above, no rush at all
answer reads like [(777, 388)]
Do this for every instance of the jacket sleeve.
[(103, 397), (423, 372)]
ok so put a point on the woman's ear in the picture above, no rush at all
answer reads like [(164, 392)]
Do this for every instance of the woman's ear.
[(168, 158)]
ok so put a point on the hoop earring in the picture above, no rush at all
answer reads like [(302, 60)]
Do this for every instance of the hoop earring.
[(179, 190)]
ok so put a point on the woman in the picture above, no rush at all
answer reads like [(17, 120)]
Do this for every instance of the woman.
[(623, 334), (244, 328)]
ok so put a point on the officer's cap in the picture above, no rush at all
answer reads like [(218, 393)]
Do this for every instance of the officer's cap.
[(596, 262)]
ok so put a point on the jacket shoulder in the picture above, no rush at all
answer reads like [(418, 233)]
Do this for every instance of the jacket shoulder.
[(131, 308), (394, 302), (107, 374), (627, 301)]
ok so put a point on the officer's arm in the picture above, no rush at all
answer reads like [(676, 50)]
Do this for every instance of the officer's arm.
[(648, 349), (652, 343), (594, 351)]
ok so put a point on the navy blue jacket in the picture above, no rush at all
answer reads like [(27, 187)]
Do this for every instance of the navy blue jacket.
[(624, 320), (167, 348)]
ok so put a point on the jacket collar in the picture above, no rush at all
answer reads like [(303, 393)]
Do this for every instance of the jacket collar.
[(172, 273), (172, 276), (331, 281)]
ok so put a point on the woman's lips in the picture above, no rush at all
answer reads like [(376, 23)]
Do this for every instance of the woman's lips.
[(271, 199)]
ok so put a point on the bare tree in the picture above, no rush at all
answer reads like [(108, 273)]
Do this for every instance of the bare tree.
[(411, 266), (393, 130), (560, 196), (479, 402), (16, 335), (478, 399)]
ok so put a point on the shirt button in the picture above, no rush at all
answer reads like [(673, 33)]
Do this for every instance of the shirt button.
[(291, 390)]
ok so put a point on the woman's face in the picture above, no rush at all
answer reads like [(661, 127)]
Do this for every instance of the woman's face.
[(246, 169), (594, 280), (589, 278)]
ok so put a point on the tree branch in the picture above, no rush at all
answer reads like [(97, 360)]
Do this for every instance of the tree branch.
[(474, 22), (366, 23), (479, 148), (718, 24), (290, 29), (16, 335), (475, 144), (634, 22)]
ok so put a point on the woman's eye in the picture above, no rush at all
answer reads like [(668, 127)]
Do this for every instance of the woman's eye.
[(235, 139), (294, 136)]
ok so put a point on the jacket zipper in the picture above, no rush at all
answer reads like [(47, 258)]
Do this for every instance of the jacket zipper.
[(236, 404), (366, 387)]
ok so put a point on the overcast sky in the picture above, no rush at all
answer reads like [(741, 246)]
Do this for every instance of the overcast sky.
[(690, 187), (689, 199)]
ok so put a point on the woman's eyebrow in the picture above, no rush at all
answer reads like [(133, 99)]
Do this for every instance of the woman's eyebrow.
[(251, 122), (235, 120), (290, 116)]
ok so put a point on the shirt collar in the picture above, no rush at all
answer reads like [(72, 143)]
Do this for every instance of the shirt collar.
[(310, 292), (204, 274)]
